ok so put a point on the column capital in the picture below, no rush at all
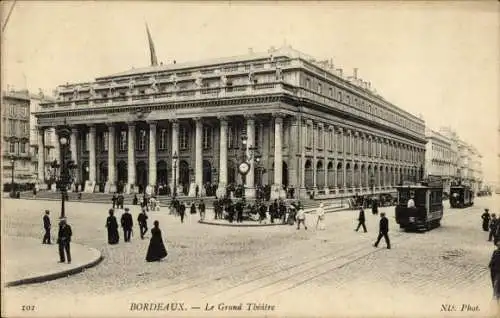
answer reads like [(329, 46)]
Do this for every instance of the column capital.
[(278, 115), (152, 122), (174, 122), (309, 122), (92, 128), (249, 116), (131, 123), (198, 119), (320, 125), (340, 129)]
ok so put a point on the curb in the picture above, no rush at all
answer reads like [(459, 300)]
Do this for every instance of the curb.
[(49, 277), (241, 225)]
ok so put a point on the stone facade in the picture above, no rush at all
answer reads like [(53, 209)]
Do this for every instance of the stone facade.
[(316, 130), (440, 158)]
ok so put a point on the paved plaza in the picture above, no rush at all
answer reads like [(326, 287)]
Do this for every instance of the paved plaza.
[(271, 270)]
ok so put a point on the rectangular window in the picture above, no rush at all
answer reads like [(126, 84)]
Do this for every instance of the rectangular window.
[(320, 89), (183, 137), (12, 147), (87, 141), (123, 140), (230, 132), (23, 147), (207, 137), (308, 83), (309, 135), (12, 127), (331, 92), (163, 139), (141, 140), (257, 136), (105, 141), (340, 146)]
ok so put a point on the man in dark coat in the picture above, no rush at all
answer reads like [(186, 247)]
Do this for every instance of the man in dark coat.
[(127, 224), (63, 240), (493, 226), (46, 226), (120, 200), (383, 231), (486, 219), (182, 211), (201, 208), (494, 266), (239, 211), (112, 226), (361, 219), (142, 219)]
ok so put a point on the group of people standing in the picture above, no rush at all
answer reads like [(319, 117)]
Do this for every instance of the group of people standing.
[(63, 236), (178, 208)]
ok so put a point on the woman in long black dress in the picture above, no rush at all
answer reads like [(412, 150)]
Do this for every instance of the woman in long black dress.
[(495, 272), (156, 249), (112, 226)]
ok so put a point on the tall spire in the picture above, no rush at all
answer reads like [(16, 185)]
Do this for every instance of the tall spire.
[(154, 60)]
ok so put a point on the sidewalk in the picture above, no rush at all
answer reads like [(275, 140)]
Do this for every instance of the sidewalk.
[(27, 260)]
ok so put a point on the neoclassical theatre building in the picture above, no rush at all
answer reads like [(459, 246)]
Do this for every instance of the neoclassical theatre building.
[(315, 130)]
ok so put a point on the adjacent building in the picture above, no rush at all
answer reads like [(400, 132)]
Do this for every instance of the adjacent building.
[(15, 137), (314, 129), (440, 157)]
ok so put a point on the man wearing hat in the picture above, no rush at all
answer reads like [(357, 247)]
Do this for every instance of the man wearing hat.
[(46, 226), (383, 231), (127, 223), (63, 240), (486, 219)]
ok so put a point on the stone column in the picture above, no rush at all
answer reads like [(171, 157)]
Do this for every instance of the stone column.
[(276, 191), (326, 135), (221, 189), (74, 151), (57, 146), (175, 150), (152, 154), (198, 159), (111, 182), (90, 184), (314, 154), (131, 158), (41, 157), (302, 145), (344, 164), (250, 177), (292, 155)]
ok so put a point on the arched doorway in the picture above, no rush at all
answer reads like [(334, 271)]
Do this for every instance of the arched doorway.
[(377, 176), (103, 175), (309, 174), (320, 182), (356, 176), (141, 178), (348, 173), (330, 175), (121, 177), (85, 171), (363, 177), (161, 173), (207, 172), (231, 172), (184, 176), (284, 174), (340, 176)]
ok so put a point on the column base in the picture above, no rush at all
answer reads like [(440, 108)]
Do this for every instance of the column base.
[(192, 189), (42, 186), (149, 190), (277, 192), (109, 187), (250, 193), (302, 194), (327, 190), (89, 186), (53, 187), (221, 191), (130, 189)]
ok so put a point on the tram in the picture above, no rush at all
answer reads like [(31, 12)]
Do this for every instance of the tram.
[(461, 196), (428, 210)]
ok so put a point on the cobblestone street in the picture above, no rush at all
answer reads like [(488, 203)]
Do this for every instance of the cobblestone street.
[(334, 272)]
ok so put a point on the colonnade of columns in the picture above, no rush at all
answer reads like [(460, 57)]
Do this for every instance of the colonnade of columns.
[(300, 149)]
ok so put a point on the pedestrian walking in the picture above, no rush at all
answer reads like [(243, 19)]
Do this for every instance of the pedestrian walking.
[(374, 207), (142, 219), (383, 231), (301, 218), (239, 211), (486, 219), (493, 226), (494, 266), (156, 249), (112, 226), (321, 217), (46, 226), (114, 199), (361, 219), (201, 208), (120, 200), (182, 211), (127, 224), (64, 240)]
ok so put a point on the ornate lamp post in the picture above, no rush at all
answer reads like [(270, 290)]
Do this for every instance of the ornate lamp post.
[(67, 168), (175, 157)]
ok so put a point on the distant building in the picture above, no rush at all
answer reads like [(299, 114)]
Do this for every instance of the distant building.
[(15, 137)]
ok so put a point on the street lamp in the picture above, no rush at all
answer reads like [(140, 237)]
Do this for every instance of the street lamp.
[(175, 157), (67, 168), (247, 158)]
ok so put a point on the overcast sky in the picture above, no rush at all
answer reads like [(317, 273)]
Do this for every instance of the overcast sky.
[(440, 60)]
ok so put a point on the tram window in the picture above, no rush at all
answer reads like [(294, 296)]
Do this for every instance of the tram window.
[(420, 198), (403, 196)]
